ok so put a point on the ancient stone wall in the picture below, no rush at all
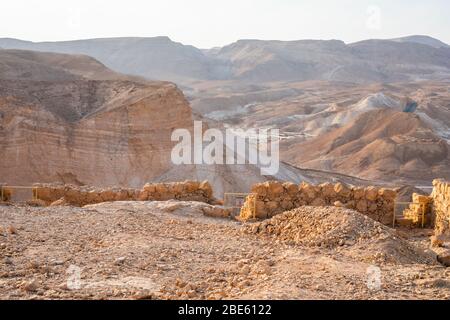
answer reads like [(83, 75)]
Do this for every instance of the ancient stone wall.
[(274, 198), (441, 206), (419, 212), (81, 196)]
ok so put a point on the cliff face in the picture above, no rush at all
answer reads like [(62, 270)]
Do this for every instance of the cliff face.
[(102, 133)]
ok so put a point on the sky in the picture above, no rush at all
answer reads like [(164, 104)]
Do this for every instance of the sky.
[(213, 23)]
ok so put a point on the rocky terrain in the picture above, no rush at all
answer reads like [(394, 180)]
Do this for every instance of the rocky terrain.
[(360, 130), (155, 250), (337, 106), (69, 119), (341, 229), (351, 116)]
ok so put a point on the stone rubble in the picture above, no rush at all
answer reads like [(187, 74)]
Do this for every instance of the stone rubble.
[(171, 250), (330, 227)]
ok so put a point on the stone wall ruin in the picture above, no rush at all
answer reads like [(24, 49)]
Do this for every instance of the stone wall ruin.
[(275, 197)]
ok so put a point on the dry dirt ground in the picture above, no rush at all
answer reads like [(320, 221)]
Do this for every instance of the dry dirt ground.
[(170, 250)]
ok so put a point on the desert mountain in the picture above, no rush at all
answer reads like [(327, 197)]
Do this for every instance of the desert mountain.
[(311, 114), (58, 125), (256, 61), (426, 40), (378, 144), (72, 92), (61, 121), (156, 58), (38, 66)]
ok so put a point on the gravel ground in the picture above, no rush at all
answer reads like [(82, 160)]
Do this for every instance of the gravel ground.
[(170, 250)]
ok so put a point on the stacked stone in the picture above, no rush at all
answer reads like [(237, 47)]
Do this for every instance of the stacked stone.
[(418, 210), (183, 191), (248, 209), (441, 206), (55, 195), (276, 197)]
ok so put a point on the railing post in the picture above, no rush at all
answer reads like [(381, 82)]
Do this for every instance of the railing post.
[(393, 218), (254, 206), (423, 215)]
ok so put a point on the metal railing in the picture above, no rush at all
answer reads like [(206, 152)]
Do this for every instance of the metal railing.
[(5, 189)]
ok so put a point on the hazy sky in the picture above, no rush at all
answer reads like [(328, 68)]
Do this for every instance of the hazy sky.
[(209, 23)]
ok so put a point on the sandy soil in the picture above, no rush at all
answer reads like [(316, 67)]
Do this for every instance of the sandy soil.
[(169, 250)]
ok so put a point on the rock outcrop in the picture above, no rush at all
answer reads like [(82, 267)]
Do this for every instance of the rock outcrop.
[(81, 125)]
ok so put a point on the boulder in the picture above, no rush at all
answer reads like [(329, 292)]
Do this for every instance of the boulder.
[(191, 186), (338, 204), (206, 188), (272, 205), (318, 202), (372, 207), (343, 190), (443, 257), (150, 188), (260, 189), (350, 204), (178, 188), (275, 189), (162, 189), (371, 193), (143, 195), (327, 190), (361, 206), (216, 212), (358, 193), (291, 188), (387, 194), (261, 212), (59, 203), (308, 190), (107, 195), (438, 240), (287, 204)]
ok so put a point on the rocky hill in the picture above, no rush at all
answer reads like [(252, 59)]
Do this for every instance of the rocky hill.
[(311, 115), (156, 58), (376, 145), (56, 124), (404, 59), (38, 66)]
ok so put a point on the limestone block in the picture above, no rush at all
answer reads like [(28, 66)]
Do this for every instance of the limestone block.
[(343, 190), (371, 193)]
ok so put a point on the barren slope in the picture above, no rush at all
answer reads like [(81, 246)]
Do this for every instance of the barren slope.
[(148, 250), (376, 145), (58, 125)]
